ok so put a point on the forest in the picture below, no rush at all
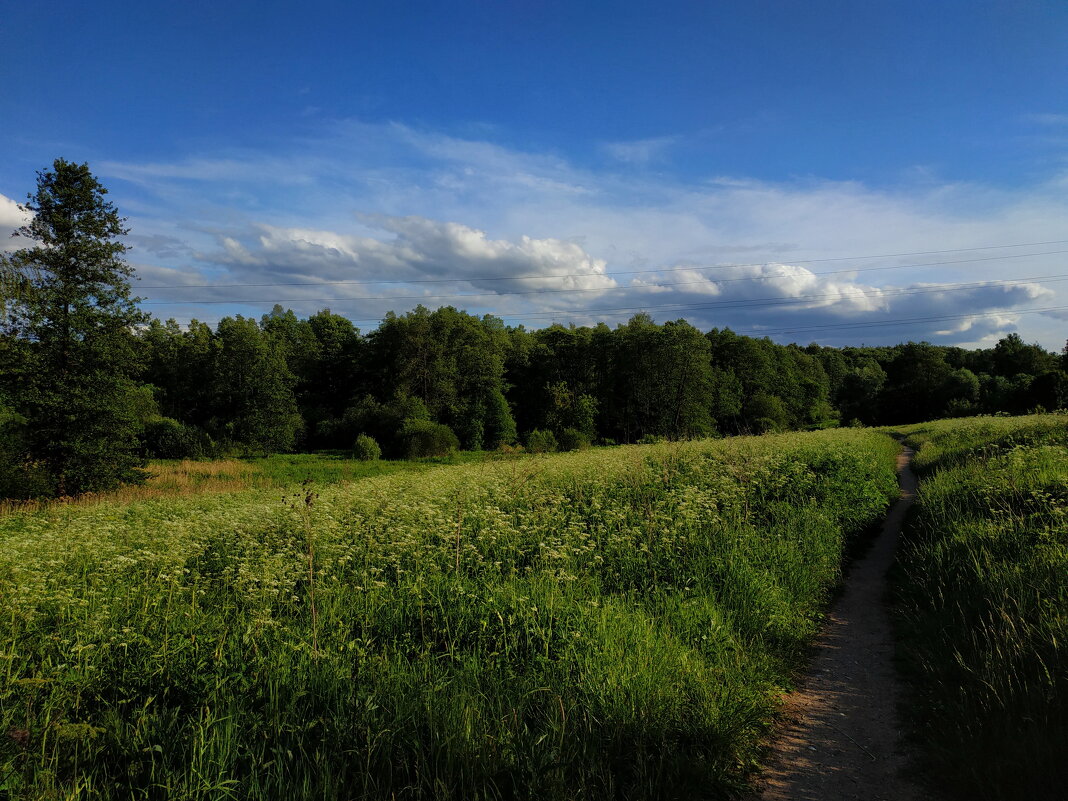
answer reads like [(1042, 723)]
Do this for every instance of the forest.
[(91, 385), (286, 383)]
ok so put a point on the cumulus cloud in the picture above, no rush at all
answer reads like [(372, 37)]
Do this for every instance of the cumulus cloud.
[(11, 218), (473, 223), (420, 249)]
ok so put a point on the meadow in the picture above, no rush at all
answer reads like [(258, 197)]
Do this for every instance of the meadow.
[(169, 478), (614, 623), (982, 604)]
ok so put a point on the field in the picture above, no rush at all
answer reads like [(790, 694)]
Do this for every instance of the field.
[(982, 597), (616, 623), (168, 478)]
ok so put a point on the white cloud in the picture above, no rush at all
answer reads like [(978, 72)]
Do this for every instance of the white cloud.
[(11, 218), (420, 249), (374, 202)]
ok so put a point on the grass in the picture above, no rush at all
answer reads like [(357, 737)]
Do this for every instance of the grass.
[(168, 478), (982, 599), (616, 623)]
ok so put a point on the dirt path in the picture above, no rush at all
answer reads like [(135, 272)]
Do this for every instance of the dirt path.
[(842, 739)]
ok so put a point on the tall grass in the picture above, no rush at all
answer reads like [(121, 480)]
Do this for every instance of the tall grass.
[(608, 624), (167, 478), (983, 607)]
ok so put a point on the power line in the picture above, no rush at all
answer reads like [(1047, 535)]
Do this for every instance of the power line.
[(584, 289), (783, 300), (653, 270), (900, 320), (787, 300)]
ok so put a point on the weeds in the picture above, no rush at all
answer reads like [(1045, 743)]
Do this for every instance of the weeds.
[(606, 624)]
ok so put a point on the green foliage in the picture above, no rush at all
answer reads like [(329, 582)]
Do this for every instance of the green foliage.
[(608, 624), (539, 441), (489, 383), (452, 362), (572, 439), (166, 438), (982, 606), (422, 439), (499, 426), (857, 395), (766, 413), (254, 402), (71, 381), (662, 380), (20, 476), (365, 449), (569, 410), (381, 421)]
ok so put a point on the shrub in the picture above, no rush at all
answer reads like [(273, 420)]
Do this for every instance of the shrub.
[(766, 425), (166, 438), (422, 438), (383, 421), (366, 449), (539, 441), (571, 439), (20, 476)]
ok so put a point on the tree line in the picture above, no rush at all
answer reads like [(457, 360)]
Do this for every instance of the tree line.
[(91, 386), (285, 383)]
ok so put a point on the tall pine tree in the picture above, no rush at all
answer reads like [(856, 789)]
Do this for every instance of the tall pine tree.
[(75, 318)]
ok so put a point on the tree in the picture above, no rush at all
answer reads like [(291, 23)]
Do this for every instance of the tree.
[(454, 363), (1013, 356), (253, 390), (75, 312), (662, 381)]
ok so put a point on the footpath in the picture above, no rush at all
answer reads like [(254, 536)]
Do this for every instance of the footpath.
[(841, 738)]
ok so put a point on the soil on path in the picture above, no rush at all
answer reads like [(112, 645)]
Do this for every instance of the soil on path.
[(841, 738)]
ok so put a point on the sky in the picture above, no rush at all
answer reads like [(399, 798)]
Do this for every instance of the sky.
[(836, 172)]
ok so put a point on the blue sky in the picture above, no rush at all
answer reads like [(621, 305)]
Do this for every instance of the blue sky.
[(751, 164)]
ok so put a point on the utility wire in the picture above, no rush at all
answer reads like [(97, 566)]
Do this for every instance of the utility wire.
[(900, 320), (652, 270), (788, 300), (783, 300), (583, 289)]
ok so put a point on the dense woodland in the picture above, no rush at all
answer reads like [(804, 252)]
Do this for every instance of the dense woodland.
[(90, 386), (286, 383)]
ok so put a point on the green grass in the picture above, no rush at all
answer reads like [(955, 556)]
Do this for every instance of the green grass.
[(982, 598), (169, 478), (617, 623), (331, 467)]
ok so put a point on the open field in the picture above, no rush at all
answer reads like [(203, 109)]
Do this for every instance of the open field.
[(617, 623), (982, 597), (169, 478)]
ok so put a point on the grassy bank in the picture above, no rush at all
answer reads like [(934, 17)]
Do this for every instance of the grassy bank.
[(610, 624), (983, 606)]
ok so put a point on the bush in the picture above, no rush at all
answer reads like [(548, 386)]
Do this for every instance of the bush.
[(571, 439), (539, 441), (767, 425), (166, 438), (382, 421), (422, 438), (20, 476), (366, 449)]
